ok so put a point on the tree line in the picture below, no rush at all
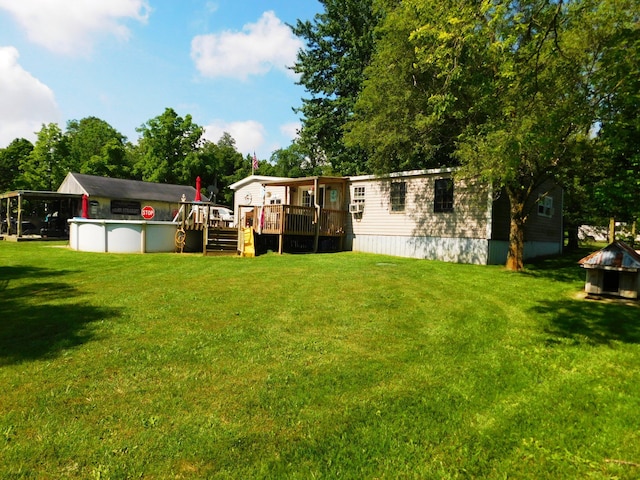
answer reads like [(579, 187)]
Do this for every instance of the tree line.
[(513, 92), (170, 149)]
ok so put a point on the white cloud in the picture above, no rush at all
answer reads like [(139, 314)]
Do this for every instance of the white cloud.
[(68, 26), (290, 130), (249, 135), (25, 102), (260, 46), (212, 7)]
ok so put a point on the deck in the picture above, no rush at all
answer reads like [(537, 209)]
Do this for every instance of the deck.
[(289, 222), (277, 225), (297, 220), (218, 237)]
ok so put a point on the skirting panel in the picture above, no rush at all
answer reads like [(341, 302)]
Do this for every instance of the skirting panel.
[(458, 250), (498, 250)]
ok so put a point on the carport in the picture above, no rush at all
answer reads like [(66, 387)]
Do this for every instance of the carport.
[(66, 204)]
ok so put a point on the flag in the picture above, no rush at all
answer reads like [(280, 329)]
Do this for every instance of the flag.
[(254, 166)]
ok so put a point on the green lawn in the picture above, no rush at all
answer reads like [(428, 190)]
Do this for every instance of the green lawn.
[(310, 366)]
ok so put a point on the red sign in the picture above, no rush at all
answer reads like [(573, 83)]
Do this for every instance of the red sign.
[(147, 212)]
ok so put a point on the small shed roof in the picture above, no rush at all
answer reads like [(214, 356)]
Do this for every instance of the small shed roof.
[(95, 186), (615, 256)]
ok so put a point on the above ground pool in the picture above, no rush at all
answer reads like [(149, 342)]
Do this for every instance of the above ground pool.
[(121, 236)]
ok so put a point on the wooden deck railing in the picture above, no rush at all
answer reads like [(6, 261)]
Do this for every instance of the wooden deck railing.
[(297, 220), (332, 222)]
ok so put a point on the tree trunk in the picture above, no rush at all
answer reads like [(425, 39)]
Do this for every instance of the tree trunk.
[(515, 255), (572, 237)]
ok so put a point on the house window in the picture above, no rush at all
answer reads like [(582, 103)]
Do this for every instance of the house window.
[(275, 201), (443, 197), (398, 195), (545, 207), (358, 195)]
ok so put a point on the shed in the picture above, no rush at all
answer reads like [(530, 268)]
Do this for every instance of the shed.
[(614, 270), (119, 199)]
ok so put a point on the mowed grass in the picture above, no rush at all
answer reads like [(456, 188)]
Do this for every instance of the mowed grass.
[(310, 366)]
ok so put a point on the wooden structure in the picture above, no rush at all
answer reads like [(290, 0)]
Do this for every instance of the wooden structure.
[(65, 205), (298, 214), (219, 237), (613, 271)]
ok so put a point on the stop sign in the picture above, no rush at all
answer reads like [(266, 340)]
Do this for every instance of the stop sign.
[(147, 212)]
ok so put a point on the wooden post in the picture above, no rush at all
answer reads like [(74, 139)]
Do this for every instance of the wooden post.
[(19, 220), (317, 214), (281, 216), (205, 235), (8, 215), (612, 230)]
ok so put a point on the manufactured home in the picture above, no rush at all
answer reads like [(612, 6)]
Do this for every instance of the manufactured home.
[(428, 214)]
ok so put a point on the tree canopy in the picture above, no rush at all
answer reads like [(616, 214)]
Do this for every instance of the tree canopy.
[(339, 45), (49, 161), (169, 149), (96, 148), (12, 158), (507, 89)]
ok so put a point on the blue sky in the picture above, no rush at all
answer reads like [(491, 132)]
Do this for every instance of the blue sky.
[(125, 61)]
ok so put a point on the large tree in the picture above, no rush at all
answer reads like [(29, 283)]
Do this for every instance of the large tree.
[(397, 119), (618, 189), (48, 163), (11, 160), (295, 161), (217, 163), (97, 148), (339, 44), (168, 149), (514, 83)]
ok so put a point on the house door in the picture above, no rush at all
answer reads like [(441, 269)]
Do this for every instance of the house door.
[(321, 197)]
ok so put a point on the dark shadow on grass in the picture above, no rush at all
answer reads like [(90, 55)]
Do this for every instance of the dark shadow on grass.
[(596, 322), (561, 268), (43, 316)]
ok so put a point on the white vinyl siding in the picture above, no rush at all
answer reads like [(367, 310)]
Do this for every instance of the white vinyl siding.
[(468, 220)]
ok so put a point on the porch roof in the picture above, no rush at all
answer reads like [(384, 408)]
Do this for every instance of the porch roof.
[(305, 181)]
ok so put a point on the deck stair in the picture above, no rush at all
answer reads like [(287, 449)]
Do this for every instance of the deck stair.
[(221, 241)]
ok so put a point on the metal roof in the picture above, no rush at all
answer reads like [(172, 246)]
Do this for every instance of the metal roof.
[(38, 195), (615, 256), (117, 188)]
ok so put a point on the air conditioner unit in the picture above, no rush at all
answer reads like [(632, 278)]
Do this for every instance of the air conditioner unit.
[(356, 207)]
